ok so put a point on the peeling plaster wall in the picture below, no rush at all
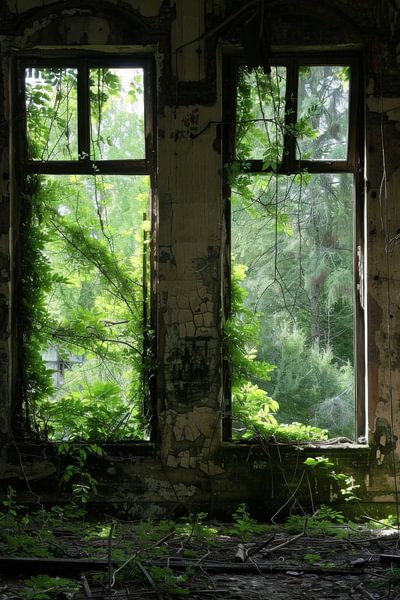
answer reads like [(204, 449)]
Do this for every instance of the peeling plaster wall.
[(189, 275), (5, 270), (189, 464)]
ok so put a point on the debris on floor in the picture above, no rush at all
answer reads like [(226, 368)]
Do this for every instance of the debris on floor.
[(53, 558)]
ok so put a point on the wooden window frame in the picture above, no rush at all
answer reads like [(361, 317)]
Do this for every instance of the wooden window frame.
[(85, 165), (291, 165)]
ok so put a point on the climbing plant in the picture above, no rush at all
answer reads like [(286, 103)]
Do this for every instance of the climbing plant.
[(292, 232), (84, 248)]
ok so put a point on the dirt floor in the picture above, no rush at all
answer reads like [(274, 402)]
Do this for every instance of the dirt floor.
[(66, 560)]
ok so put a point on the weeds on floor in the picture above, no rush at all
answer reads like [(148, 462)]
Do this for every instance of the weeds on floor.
[(324, 521), (129, 545), (243, 525), (43, 587)]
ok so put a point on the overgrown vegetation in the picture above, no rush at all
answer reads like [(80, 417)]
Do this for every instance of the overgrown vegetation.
[(139, 554), (84, 250), (292, 287), (84, 263)]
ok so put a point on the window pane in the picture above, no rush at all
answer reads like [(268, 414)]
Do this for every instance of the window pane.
[(323, 112), (92, 331), (260, 115), (117, 113), (294, 236), (51, 112)]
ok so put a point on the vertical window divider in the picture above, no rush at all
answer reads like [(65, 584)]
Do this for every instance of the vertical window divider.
[(289, 144), (83, 111), (353, 141)]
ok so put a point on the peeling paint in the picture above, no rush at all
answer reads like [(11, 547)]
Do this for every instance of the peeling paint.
[(168, 491)]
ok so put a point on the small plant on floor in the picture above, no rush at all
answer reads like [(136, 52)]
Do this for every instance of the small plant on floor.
[(167, 581), (312, 558), (13, 521), (196, 529), (324, 521), (149, 531), (243, 525), (76, 475), (11, 508), (391, 579), (43, 587)]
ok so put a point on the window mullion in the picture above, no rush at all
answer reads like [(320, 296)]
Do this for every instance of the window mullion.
[(289, 139), (83, 111), (352, 154)]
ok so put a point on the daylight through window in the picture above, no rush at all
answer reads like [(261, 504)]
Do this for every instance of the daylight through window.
[(293, 242), (85, 248)]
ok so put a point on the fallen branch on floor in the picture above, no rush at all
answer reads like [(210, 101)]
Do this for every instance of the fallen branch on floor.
[(244, 552), (285, 543), (149, 579), (251, 567), (79, 565), (133, 558), (260, 546), (31, 564), (389, 559), (86, 587)]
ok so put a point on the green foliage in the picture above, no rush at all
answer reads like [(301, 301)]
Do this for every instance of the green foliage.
[(260, 115), (9, 503), (76, 476), (96, 412), (324, 521), (254, 411), (322, 463), (167, 581), (250, 403), (150, 531), (389, 521), (293, 236), (346, 483), (243, 525), (35, 282), (312, 558), (195, 529), (391, 578), (51, 115), (84, 242), (44, 587), (26, 534), (286, 433), (241, 335), (319, 394)]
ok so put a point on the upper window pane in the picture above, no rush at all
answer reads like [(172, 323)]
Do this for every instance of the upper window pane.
[(261, 115), (51, 111), (323, 112), (117, 113)]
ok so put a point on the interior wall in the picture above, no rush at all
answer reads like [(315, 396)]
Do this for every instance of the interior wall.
[(189, 463)]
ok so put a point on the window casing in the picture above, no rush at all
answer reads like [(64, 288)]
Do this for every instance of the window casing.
[(291, 161), (80, 166)]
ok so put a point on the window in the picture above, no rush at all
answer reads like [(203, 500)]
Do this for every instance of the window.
[(295, 236), (84, 248)]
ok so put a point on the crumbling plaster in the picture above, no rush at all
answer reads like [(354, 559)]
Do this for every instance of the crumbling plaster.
[(188, 464)]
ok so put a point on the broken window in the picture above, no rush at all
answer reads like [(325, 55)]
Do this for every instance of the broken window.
[(296, 230), (84, 248)]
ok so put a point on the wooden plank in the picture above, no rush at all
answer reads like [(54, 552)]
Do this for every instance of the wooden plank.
[(31, 564), (389, 559)]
